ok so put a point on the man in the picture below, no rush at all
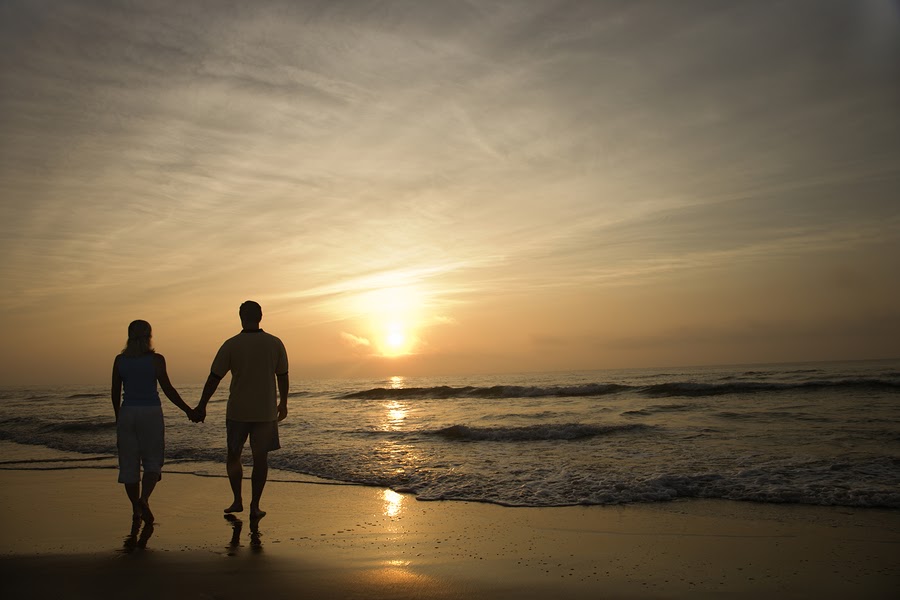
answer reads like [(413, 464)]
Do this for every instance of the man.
[(257, 360)]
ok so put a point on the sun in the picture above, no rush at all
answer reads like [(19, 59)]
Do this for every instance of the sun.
[(396, 340), (390, 313), (394, 315)]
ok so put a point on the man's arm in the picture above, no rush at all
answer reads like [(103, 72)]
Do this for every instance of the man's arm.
[(283, 386), (212, 382), (115, 391)]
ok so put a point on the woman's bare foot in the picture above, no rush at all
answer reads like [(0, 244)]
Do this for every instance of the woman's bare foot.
[(146, 513), (257, 515), (236, 506)]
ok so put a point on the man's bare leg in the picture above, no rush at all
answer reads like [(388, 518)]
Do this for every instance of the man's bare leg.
[(258, 482), (149, 482), (235, 478)]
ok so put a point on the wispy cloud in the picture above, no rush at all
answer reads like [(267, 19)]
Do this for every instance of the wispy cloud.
[(355, 340), (310, 152)]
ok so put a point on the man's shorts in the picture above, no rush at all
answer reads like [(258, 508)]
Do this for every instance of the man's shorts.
[(263, 436), (141, 438)]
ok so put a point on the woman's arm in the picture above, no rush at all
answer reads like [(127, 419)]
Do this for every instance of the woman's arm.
[(115, 391), (162, 376)]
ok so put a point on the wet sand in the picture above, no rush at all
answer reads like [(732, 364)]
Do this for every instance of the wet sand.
[(68, 533)]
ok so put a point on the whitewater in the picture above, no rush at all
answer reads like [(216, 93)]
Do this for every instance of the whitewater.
[(811, 433)]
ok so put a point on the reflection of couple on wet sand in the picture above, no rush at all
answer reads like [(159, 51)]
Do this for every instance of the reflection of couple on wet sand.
[(236, 527), (257, 362), (133, 541)]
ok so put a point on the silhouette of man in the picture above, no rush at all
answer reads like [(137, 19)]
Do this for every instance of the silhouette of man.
[(257, 360)]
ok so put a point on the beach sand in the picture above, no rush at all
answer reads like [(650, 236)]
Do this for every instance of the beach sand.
[(66, 533)]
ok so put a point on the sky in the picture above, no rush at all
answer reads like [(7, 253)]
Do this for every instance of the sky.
[(449, 187)]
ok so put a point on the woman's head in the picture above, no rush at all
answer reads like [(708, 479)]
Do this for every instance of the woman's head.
[(139, 338)]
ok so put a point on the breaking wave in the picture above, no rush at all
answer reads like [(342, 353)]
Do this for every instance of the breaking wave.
[(670, 389), (566, 431)]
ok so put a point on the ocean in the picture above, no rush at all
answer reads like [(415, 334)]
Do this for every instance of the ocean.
[(811, 433)]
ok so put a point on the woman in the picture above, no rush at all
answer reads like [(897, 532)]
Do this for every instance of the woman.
[(140, 431)]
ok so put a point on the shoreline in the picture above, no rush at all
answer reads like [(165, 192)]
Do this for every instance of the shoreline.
[(350, 540)]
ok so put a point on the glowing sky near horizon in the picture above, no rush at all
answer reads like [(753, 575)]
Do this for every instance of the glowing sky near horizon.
[(449, 187)]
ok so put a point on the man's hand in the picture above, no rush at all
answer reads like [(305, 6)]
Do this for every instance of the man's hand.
[(282, 412)]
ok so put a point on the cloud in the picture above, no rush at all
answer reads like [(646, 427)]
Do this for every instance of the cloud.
[(355, 340), (444, 320), (309, 153)]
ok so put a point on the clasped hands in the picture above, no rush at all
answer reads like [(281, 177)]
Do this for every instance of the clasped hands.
[(196, 415)]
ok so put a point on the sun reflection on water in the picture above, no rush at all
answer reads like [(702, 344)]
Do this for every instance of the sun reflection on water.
[(393, 503), (396, 414)]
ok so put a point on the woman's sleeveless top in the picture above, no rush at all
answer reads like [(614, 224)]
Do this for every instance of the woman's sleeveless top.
[(138, 380)]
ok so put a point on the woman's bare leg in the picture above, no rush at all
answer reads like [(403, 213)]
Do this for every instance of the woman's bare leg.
[(134, 494), (150, 479)]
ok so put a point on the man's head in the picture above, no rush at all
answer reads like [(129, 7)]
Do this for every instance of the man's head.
[(251, 314)]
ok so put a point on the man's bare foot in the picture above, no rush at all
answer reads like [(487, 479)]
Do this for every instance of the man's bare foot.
[(146, 513), (236, 506), (256, 514)]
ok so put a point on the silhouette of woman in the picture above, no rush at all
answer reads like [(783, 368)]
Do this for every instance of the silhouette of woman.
[(140, 429)]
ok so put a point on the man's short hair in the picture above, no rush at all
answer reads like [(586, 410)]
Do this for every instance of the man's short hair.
[(250, 311)]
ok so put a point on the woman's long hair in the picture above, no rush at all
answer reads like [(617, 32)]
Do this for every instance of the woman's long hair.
[(139, 339)]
